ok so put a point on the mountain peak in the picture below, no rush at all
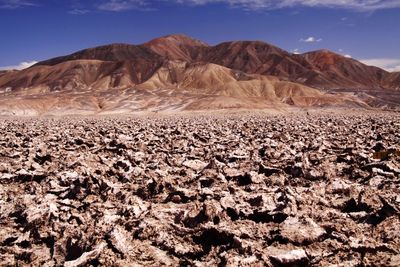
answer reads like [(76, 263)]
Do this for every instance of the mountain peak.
[(322, 52), (326, 51), (176, 47), (177, 39), (324, 58)]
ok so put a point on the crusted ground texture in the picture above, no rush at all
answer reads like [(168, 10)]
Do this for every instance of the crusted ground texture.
[(244, 189)]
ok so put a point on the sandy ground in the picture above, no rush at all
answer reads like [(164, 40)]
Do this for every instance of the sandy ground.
[(201, 189)]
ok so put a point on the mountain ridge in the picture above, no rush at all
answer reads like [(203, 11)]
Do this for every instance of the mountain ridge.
[(179, 69), (314, 68)]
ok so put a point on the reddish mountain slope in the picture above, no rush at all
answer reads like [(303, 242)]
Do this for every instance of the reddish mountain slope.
[(69, 75), (4, 72), (321, 69), (257, 57), (393, 80), (343, 72), (177, 47), (113, 52)]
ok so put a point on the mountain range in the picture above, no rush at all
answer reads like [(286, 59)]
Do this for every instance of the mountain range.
[(177, 72)]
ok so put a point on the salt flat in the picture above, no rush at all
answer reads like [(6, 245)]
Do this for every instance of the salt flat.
[(204, 189)]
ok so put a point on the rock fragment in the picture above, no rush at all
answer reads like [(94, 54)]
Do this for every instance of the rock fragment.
[(296, 257)]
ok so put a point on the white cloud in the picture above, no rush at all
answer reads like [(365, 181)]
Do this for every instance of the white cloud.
[(296, 51), (20, 66), (343, 53), (359, 5), (311, 39), (78, 11), (121, 5), (384, 63), (14, 4)]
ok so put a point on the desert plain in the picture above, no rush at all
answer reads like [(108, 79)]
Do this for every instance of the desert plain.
[(248, 188)]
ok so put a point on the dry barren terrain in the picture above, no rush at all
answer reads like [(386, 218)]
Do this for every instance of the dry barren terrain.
[(240, 189), (179, 73)]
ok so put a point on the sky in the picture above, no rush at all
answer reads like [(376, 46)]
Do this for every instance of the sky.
[(35, 30)]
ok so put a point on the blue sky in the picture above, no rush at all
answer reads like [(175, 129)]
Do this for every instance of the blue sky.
[(34, 30)]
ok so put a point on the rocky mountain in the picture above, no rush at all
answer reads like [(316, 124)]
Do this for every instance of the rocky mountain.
[(179, 72), (393, 80), (321, 69)]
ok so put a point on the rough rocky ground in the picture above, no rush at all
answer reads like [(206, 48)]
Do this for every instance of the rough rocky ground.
[(206, 190)]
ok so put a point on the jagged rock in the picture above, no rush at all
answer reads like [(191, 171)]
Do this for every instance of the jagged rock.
[(296, 257), (338, 186), (301, 231), (196, 165), (268, 171), (87, 256), (376, 181), (314, 175)]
